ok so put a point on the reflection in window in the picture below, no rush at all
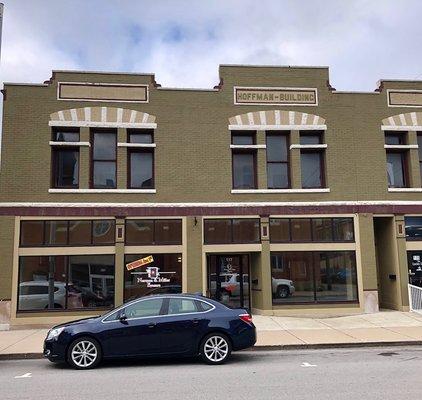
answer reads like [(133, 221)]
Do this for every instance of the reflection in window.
[(141, 169), (237, 230), (166, 276), (244, 170), (312, 277), (155, 232), (396, 169), (65, 167), (413, 228)]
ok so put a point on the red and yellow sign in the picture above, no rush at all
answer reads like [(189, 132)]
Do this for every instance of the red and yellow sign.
[(139, 263)]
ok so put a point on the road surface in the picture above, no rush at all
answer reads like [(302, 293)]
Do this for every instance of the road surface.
[(364, 373)]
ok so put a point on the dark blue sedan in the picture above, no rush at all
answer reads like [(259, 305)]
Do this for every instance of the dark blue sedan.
[(160, 325)]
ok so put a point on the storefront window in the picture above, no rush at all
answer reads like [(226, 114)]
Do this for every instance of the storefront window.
[(67, 233), (237, 230), (65, 282), (153, 232), (163, 275), (313, 277), (413, 228), (311, 230)]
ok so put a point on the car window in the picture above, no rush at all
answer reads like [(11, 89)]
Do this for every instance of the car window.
[(182, 306), (113, 317), (204, 306), (145, 308), (38, 289)]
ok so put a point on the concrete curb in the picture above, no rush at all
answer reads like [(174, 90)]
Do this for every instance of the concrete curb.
[(35, 356)]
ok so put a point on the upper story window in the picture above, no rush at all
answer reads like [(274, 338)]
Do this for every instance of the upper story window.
[(397, 159), (312, 160), (65, 158), (153, 231), (244, 161), (278, 168), (104, 158), (236, 230), (141, 160), (311, 230)]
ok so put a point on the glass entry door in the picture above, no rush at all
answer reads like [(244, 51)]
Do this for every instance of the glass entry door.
[(415, 267), (228, 279)]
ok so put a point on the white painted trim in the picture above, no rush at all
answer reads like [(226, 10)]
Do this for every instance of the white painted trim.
[(215, 205), (263, 191), (405, 190), (277, 127), (102, 191), (402, 91), (53, 143), (401, 127), (122, 144), (308, 146), (99, 124), (248, 146), (274, 88), (401, 146)]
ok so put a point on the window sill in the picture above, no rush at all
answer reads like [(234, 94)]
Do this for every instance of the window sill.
[(264, 191), (73, 144), (149, 191), (308, 146), (401, 146), (405, 190), (136, 145), (248, 146)]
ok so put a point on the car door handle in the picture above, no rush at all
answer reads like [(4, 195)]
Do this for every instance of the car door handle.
[(152, 325), (195, 321)]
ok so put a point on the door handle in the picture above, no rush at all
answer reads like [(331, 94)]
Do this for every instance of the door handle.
[(152, 325), (195, 321)]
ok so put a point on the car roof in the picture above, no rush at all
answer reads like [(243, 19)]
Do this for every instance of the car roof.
[(199, 297)]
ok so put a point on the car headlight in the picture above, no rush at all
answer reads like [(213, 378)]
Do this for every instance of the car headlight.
[(53, 334)]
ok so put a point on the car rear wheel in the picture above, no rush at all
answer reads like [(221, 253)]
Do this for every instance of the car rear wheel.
[(283, 292), (84, 353), (215, 348)]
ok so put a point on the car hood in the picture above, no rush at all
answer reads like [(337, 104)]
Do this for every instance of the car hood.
[(78, 322)]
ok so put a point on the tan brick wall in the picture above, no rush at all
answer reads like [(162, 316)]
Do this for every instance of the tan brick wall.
[(6, 256)]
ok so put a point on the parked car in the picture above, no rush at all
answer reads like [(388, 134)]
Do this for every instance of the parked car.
[(159, 325), (33, 295), (282, 288)]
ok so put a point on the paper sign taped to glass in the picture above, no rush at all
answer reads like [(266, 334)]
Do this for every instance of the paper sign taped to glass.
[(140, 263)]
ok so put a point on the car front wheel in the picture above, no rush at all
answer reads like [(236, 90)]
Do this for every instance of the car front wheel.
[(84, 353), (215, 348)]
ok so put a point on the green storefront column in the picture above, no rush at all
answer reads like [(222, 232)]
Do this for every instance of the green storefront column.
[(366, 251), (119, 274), (403, 269), (265, 270)]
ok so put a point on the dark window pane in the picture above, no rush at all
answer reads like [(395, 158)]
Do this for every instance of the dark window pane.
[(141, 175), (394, 138), (104, 146), (310, 139), (243, 139), (301, 229), (279, 230), (91, 278), (168, 231), (243, 171), (104, 174), (66, 164), (140, 138), (103, 232), (335, 276), (292, 278), (413, 227), (246, 230), (32, 233), (147, 308), (56, 233), (139, 232), (167, 269), (42, 284), (277, 175), (182, 306), (343, 229), (217, 231), (60, 136), (277, 148), (311, 170), (79, 233), (322, 230), (395, 169)]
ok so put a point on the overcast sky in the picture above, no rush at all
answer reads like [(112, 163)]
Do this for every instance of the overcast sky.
[(183, 41)]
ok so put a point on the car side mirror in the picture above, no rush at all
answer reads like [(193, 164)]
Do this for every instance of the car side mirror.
[(123, 317)]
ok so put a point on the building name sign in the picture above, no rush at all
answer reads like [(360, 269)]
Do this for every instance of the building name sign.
[(275, 96), (404, 98)]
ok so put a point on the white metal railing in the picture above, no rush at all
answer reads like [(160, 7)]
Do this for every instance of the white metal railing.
[(415, 298)]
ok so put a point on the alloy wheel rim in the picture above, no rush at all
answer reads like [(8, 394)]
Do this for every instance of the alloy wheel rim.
[(84, 354), (216, 348)]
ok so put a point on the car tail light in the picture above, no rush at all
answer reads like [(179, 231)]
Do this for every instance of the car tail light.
[(246, 318)]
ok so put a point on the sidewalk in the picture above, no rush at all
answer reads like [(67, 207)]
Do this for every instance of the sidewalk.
[(386, 327)]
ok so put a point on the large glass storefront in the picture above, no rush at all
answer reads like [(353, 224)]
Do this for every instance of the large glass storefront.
[(65, 282), (313, 277)]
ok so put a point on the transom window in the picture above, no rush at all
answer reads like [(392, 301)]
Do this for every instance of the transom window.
[(236, 230), (153, 231)]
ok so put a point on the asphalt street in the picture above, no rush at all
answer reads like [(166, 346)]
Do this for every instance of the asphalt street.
[(370, 373)]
